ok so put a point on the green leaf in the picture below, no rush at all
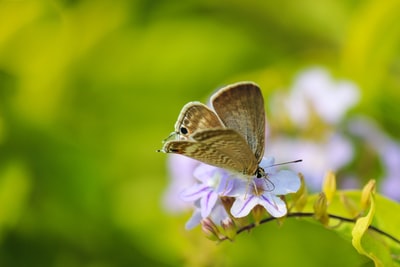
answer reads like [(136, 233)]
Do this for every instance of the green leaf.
[(370, 233), (367, 241), (368, 247)]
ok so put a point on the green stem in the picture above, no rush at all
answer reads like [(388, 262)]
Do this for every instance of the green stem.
[(310, 215)]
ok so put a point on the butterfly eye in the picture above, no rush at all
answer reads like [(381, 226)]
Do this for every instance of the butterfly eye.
[(184, 130), (260, 172)]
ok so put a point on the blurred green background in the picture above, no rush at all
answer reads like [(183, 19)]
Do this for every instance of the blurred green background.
[(88, 89)]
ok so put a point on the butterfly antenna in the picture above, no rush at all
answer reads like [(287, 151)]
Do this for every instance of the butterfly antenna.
[(287, 162)]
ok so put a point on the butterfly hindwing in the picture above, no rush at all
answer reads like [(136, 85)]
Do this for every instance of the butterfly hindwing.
[(193, 117), (241, 107)]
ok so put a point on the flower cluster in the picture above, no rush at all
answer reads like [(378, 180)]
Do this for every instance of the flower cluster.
[(220, 197), (326, 139), (316, 108)]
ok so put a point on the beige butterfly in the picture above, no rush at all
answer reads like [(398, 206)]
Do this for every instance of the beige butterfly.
[(231, 137)]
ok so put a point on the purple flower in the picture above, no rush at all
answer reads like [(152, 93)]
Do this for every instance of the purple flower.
[(181, 173), (387, 149), (212, 183), (318, 156), (315, 103), (264, 191), (314, 91), (217, 215)]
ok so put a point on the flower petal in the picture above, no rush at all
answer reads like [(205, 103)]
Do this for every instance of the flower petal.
[(207, 203), (181, 173), (273, 204), (267, 162), (204, 172), (225, 185), (194, 192), (285, 182), (239, 187), (243, 205), (194, 220), (218, 214)]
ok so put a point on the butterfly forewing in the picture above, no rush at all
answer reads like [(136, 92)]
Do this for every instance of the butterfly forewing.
[(224, 148), (195, 116), (241, 107)]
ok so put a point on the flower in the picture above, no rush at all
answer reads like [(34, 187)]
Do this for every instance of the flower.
[(260, 192), (326, 139), (318, 157), (387, 149), (218, 215), (315, 91), (316, 105), (213, 183), (181, 173)]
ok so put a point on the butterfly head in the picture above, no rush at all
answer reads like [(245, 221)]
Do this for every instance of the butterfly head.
[(261, 174)]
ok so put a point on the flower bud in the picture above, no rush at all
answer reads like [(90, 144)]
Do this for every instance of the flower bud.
[(321, 209), (229, 227), (258, 212), (329, 186), (300, 197), (210, 230), (367, 191)]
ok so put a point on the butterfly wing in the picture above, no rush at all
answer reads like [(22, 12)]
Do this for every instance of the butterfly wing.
[(224, 148), (195, 116), (240, 107)]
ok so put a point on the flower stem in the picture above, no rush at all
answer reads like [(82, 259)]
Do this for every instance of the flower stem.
[(310, 215)]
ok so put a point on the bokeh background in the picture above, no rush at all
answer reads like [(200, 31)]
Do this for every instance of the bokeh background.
[(88, 89)]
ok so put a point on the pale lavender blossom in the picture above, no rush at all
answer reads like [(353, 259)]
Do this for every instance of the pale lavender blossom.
[(387, 149), (181, 174), (212, 183), (315, 93), (317, 98), (265, 191), (218, 214), (318, 156)]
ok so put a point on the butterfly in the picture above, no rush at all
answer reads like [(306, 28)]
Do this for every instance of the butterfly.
[(230, 136)]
